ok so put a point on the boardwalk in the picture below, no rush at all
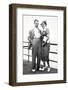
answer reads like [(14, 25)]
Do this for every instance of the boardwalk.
[(27, 69)]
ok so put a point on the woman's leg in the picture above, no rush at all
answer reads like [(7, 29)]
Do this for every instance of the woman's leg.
[(43, 60), (48, 63), (44, 64), (48, 69)]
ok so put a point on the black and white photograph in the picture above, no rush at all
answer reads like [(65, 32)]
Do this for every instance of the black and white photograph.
[(40, 44)]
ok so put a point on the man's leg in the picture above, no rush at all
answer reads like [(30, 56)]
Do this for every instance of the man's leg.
[(33, 58), (34, 54), (38, 56), (38, 62)]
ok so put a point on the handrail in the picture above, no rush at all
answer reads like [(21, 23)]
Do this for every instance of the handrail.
[(26, 47), (31, 49), (50, 43)]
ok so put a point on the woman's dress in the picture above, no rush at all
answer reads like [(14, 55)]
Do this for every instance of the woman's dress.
[(45, 47)]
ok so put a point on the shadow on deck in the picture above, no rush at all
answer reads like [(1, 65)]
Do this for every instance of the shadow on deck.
[(27, 67)]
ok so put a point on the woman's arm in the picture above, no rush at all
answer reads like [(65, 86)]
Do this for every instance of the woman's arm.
[(46, 35)]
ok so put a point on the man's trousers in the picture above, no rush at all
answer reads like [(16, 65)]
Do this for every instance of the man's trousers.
[(36, 53)]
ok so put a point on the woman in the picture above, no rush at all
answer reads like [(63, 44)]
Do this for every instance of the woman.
[(45, 45)]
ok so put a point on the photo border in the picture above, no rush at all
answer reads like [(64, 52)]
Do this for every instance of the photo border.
[(12, 44)]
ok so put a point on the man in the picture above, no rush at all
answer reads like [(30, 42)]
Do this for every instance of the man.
[(36, 45), (45, 45)]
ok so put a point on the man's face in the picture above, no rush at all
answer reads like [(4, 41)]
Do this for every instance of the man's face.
[(36, 23)]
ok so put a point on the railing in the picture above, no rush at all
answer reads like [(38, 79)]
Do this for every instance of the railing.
[(26, 47)]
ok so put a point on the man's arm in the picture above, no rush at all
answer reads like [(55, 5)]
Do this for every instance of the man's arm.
[(30, 38)]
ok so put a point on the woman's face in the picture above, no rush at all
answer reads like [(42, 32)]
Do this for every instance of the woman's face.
[(43, 25)]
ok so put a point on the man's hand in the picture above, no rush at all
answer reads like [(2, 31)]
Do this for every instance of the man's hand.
[(30, 45)]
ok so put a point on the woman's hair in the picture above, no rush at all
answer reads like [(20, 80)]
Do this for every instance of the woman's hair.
[(45, 22)]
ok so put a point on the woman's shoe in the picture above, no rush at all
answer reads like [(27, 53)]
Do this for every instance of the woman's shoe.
[(33, 70), (41, 69), (48, 69)]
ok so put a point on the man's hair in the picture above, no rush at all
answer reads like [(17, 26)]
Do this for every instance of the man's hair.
[(36, 20)]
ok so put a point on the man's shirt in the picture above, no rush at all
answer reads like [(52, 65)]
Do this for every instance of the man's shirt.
[(36, 32)]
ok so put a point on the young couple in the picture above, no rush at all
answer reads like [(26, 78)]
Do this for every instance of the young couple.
[(39, 41)]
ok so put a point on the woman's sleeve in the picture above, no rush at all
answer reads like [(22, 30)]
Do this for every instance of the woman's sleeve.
[(48, 33)]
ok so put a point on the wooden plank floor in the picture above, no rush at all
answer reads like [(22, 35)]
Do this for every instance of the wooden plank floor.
[(27, 66)]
